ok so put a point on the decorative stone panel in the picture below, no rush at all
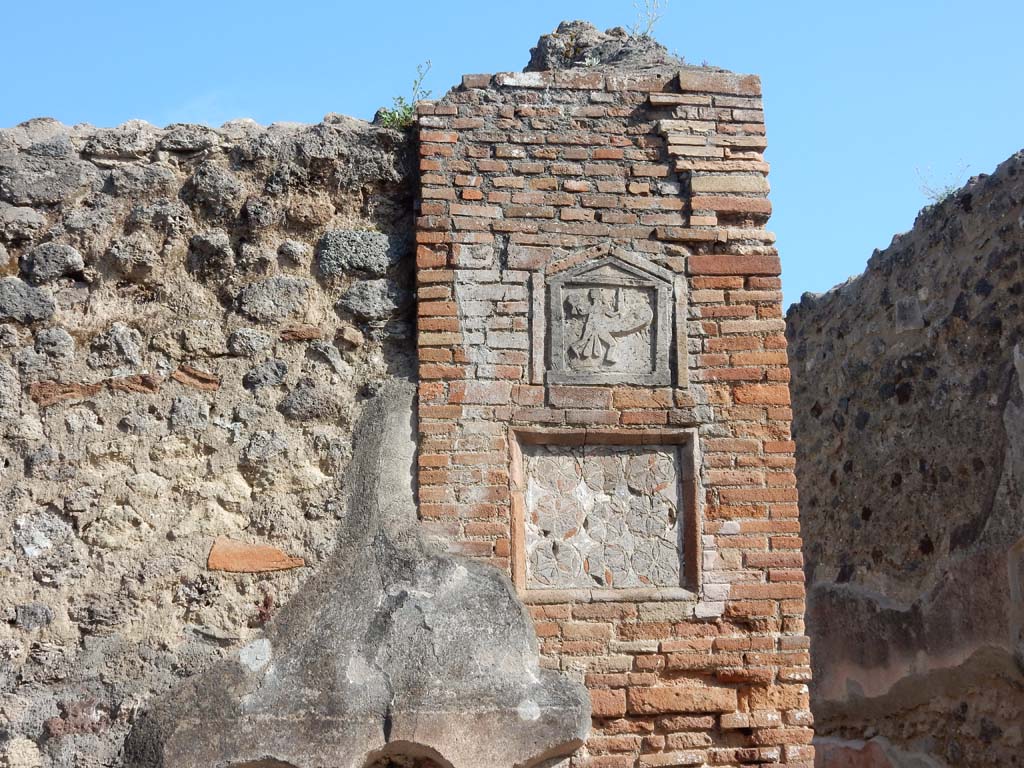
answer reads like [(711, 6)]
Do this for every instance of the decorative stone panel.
[(605, 514), (602, 516), (610, 322)]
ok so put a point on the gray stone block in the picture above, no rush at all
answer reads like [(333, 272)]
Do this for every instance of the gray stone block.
[(310, 401), (268, 374), (374, 299), (275, 298), (187, 137), (248, 342), (189, 413), (49, 261), (23, 303), (214, 190), (346, 250), (120, 345)]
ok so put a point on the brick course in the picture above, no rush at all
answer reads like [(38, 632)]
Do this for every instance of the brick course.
[(528, 174)]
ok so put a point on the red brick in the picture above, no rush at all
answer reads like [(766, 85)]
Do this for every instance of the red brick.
[(680, 698), (729, 264), (634, 397), (480, 392), (762, 394)]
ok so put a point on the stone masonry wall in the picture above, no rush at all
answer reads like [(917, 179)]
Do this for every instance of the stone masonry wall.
[(908, 386), (188, 319), (602, 374)]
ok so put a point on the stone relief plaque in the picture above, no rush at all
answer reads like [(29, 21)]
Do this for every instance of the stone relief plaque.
[(602, 516), (609, 322)]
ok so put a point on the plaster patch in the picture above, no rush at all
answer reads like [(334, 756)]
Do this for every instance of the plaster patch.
[(528, 710), (256, 655)]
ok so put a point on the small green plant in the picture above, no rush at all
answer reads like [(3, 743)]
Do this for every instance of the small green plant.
[(941, 190), (648, 14), (402, 114)]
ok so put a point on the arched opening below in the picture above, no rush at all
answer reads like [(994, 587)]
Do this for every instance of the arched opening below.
[(406, 754)]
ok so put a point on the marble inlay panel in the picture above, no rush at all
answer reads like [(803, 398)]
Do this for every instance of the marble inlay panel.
[(602, 516)]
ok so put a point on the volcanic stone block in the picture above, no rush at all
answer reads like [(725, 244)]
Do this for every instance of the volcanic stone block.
[(390, 647), (343, 250)]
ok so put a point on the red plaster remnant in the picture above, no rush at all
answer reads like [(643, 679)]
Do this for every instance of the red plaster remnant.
[(240, 557)]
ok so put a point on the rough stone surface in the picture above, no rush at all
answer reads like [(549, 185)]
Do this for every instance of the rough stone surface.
[(120, 346), (340, 251), (48, 261), (908, 386), (310, 401), (275, 299), (374, 299), (268, 374), (581, 44), (130, 440), (248, 342), (23, 303), (390, 646)]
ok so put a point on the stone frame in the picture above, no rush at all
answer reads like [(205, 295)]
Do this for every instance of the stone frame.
[(690, 520), (641, 273)]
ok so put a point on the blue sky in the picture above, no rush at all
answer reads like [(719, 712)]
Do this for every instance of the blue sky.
[(866, 102)]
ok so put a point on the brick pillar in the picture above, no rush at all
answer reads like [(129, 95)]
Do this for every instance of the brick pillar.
[(604, 403)]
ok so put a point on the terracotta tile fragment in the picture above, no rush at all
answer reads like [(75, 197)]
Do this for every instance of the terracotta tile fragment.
[(301, 333), (143, 383), (46, 393), (197, 379), (240, 557)]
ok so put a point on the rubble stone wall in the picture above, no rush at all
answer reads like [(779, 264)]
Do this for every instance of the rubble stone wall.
[(604, 404), (188, 319), (908, 390)]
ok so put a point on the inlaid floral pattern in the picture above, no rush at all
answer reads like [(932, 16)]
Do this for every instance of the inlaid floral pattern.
[(602, 516)]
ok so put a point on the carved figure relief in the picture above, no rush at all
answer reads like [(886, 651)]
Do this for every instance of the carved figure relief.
[(606, 318), (610, 322), (602, 516)]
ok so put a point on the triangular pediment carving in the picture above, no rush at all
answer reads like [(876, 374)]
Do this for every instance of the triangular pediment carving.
[(616, 266)]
